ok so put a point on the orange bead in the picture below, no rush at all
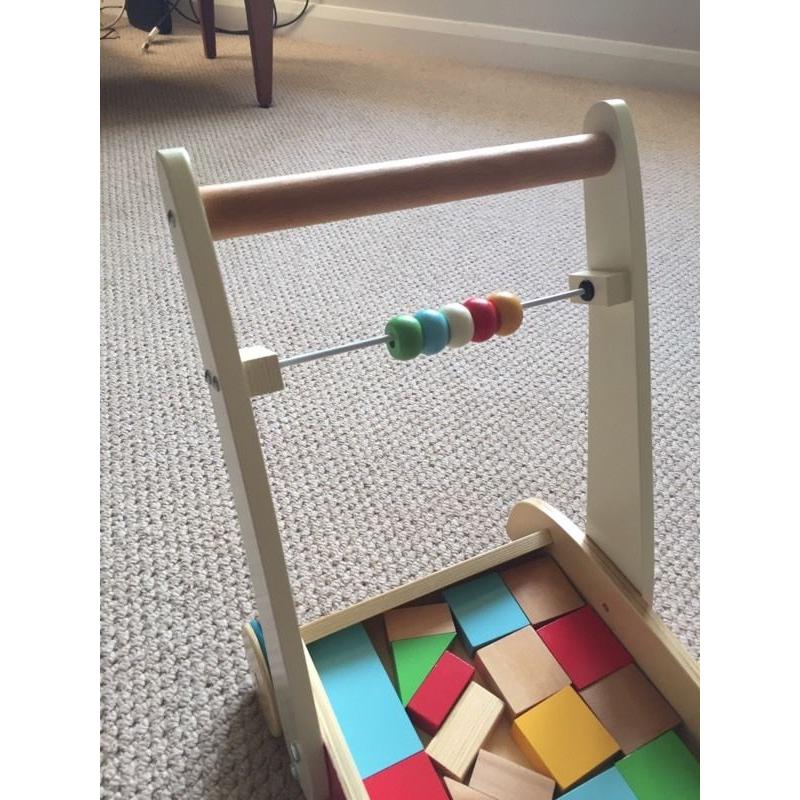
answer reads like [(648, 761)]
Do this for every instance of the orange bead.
[(509, 311)]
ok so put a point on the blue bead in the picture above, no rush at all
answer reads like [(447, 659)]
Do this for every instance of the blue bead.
[(435, 330)]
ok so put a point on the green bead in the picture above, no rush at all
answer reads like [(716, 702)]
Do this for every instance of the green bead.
[(406, 337)]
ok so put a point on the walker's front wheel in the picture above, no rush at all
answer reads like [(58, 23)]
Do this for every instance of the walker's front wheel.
[(257, 658)]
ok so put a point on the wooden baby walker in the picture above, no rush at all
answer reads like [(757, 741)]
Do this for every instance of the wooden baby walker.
[(537, 669)]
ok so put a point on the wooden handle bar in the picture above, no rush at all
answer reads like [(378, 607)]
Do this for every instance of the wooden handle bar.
[(271, 204)]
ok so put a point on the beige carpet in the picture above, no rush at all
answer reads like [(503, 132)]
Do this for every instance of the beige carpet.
[(382, 472)]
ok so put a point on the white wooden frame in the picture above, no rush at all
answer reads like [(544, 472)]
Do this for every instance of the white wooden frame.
[(619, 514)]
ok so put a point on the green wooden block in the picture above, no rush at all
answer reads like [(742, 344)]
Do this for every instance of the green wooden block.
[(662, 770), (415, 658)]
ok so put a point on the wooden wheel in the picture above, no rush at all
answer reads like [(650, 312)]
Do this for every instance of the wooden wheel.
[(263, 680)]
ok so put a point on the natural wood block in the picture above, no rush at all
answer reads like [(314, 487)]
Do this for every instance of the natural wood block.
[(608, 785), (484, 610), (458, 741), (413, 621), (541, 589), (501, 743), (414, 777), (460, 792), (520, 670), (377, 635), (630, 707), (664, 769), (261, 370), (505, 780), (415, 658), (563, 739), (439, 692), (584, 646)]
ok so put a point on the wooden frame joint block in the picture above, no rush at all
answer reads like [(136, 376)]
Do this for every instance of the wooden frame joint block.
[(610, 288), (261, 370)]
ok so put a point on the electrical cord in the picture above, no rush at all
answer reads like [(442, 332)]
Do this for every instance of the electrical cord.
[(275, 23), (109, 30), (154, 32)]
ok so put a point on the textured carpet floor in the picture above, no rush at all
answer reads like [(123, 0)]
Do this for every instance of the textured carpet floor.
[(381, 472)]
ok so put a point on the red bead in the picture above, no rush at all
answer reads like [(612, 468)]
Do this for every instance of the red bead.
[(484, 315)]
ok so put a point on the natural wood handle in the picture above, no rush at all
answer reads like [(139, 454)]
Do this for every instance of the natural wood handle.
[(271, 204)]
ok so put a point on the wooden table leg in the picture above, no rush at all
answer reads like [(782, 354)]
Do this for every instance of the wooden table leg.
[(205, 10), (259, 22)]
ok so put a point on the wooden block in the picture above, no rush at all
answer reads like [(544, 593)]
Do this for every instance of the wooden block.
[(414, 659), (376, 631), (484, 610), (413, 621), (460, 792), (520, 670), (437, 695), (501, 743), (414, 777), (608, 785), (458, 741), (631, 709), (261, 370), (374, 723), (584, 646), (563, 739), (664, 769), (541, 589), (505, 780)]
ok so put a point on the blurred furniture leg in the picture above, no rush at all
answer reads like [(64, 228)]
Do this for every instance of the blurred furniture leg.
[(259, 23), (205, 10)]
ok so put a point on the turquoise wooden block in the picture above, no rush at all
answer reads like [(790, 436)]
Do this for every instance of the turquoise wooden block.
[(375, 725), (608, 785), (484, 610)]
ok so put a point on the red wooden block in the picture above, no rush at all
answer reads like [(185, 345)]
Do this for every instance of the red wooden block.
[(584, 646), (414, 777), (437, 695)]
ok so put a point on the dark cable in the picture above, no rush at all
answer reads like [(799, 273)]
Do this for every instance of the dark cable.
[(275, 23)]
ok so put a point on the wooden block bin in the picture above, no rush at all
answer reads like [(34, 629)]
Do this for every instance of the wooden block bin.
[(610, 566)]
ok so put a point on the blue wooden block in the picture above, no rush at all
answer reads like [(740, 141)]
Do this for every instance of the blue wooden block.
[(374, 723), (484, 610), (608, 785)]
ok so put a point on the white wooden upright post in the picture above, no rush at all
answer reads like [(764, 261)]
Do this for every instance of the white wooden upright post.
[(230, 394), (620, 470)]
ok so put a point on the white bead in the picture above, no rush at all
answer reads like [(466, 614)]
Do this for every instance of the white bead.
[(461, 325)]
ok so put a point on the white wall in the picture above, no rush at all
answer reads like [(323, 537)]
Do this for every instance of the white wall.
[(652, 43), (667, 23)]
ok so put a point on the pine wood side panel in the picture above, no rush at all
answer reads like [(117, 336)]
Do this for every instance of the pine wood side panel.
[(653, 646), (394, 598)]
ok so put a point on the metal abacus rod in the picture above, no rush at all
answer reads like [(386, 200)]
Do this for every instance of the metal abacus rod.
[(360, 344)]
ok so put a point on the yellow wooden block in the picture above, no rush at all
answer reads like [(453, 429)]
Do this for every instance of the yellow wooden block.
[(562, 738)]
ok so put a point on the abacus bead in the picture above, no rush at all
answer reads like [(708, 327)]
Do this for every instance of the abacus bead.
[(459, 320), (509, 311), (406, 337), (484, 317), (435, 330)]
